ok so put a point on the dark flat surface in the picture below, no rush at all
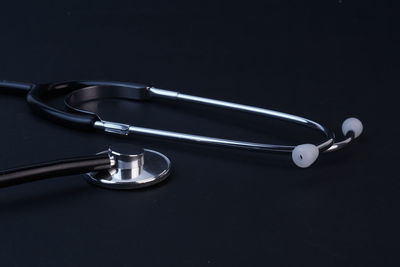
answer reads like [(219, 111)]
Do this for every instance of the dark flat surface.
[(326, 61)]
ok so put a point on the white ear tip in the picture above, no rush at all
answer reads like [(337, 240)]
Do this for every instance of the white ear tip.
[(305, 155), (354, 125)]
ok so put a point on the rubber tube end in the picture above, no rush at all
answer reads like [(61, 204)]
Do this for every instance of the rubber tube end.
[(354, 125), (305, 155)]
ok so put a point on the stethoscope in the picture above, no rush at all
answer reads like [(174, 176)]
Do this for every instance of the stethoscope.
[(79, 92)]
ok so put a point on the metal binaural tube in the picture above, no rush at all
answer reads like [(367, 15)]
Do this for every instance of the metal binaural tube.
[(161, 93), (328, 145), (303, 155)]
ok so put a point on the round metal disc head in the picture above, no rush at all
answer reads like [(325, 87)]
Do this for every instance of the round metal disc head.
[(153, 168)]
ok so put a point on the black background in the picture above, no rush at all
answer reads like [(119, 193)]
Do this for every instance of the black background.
[(325, 60)]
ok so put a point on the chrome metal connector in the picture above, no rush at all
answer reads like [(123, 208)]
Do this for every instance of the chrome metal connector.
[(112, 127)]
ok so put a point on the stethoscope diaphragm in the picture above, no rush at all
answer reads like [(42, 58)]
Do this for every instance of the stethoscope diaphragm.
[(140, 168)]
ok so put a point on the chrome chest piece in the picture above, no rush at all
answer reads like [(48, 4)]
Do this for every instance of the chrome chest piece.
[(131, 167)]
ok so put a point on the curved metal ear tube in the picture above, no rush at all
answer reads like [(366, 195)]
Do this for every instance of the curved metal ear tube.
[(119, 167), (303, 155)]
